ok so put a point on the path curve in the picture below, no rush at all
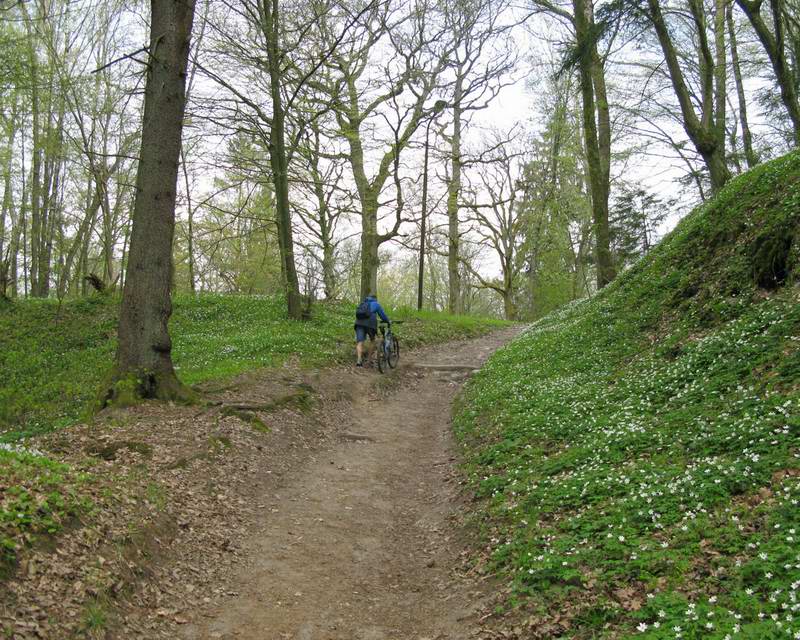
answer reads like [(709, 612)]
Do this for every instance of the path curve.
[(360, 542)]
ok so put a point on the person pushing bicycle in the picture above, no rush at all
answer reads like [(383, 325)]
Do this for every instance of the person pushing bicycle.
[(367, 313)]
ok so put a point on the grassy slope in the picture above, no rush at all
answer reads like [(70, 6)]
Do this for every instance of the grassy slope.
[(639, 453), (53, 358)]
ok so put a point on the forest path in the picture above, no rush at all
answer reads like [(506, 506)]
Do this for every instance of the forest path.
[(361, 543)]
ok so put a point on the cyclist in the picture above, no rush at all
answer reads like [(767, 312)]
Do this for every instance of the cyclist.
[(367, 325)]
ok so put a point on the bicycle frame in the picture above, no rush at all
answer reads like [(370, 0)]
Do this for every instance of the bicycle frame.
[(386, 338)]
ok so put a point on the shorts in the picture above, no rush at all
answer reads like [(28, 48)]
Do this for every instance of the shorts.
[(362, 332)]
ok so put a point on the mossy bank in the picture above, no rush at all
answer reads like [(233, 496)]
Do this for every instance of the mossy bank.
[(638, 454)]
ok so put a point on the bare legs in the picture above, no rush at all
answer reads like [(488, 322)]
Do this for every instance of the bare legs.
[(360, 350)]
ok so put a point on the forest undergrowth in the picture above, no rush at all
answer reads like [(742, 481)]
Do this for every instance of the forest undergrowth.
[(637, 455)]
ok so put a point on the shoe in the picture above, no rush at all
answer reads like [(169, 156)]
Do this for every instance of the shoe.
[(359, 364)]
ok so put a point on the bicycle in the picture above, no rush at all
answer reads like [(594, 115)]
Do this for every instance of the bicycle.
[(389, 348)]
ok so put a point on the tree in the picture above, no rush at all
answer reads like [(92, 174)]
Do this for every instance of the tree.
[(747, 136), (703, 130), (419, 55), (322, 180), (596, 133), (476, 28), (556, 205), (281, 51), (774, 43), (585, 55), (498, 223), (143, 366), (637, 213)]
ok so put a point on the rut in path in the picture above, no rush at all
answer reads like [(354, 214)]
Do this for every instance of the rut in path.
[(359, 544)]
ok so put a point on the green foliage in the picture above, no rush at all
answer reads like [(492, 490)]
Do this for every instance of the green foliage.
[(37, 496), (95, 616), (638, 452), (54, 357), (556, 209)]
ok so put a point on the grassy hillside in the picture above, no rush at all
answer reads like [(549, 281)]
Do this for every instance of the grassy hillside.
[(639, 453), (54, 357)]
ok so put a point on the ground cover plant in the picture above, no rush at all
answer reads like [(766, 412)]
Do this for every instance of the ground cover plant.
[(37, 495), (638, 454), (53, 356)]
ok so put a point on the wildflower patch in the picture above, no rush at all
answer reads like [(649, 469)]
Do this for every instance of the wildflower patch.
[(638, 454)]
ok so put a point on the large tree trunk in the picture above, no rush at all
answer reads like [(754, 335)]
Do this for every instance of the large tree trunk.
[(369, 248), (747, 136), (509, 307), (453, 193), (144, 362), (279, 161), (597, 137)]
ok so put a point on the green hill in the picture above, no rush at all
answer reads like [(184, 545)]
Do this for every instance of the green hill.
[(53, 357), (638, 454)]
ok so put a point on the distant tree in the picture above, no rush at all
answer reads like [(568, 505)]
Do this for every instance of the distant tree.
[(636, 216), (477, 28), (321, 179), (144, 353), (496, 220), (556, 206), (747, 136), (415, 52)]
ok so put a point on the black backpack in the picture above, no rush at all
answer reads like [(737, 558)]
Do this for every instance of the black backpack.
[(363, 311)]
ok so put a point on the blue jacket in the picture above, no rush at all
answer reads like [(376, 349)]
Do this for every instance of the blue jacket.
[(374, 308)]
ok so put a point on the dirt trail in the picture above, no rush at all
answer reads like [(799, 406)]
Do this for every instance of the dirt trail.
[(359, 543)]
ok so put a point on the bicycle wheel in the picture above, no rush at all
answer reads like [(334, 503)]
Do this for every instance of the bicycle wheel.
[(382, 366), (394, 353)]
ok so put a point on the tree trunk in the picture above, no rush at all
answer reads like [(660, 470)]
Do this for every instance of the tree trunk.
[(50, 221), (699, 130), (80, 235), (35, 186), (328, 270), (5, 212), (369, 248), (720, 71), (423, 225), (453, 192), (597, 137), (747, 136), (190, 229), (326, 225), (278, 159), (775, 47), (12, 268), (509, 307), (144, 362)]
